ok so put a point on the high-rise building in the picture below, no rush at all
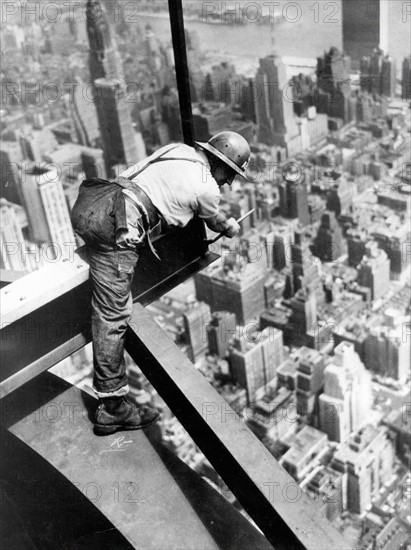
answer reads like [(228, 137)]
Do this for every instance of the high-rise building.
[(392, 240), (346, 402), (326, 488), (356, 241), (304, 266), (275, 114), (36, 143), (328, 244), (221, 329), (11, 157), (333, 72), (281, 247), (361, 27), (104, 58), (388, 77), (11, 239), (84, 115), (119, 139), (294, 198), (309, 382), (117, 132), (364, 107), (93, 162), (301, 457), (266, 417), (374, 270), (386, 350), (238, 289), (304, 312), (378, 74), (47, 211), (254, 359), (340, 196), (406, 78), (196, 319), (367, 459)]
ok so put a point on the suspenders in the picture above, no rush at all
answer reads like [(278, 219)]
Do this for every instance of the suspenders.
[(159, 158)]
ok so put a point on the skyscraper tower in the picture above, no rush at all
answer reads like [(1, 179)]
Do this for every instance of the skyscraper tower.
[(275, 114), (294, 198), (309, 382), (346, 402), (328, 244), (84, 116), (238, 288), (304, 267), (374, 270), (378, 74), (119, 140), (104, 58), (117, 133), (47, 211), (362, 25), (254, 360), (219, 332), (388, 76), (406, 78), (367, 460), (333, 72)]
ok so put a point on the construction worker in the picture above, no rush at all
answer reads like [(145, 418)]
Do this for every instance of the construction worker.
[(115, 218)]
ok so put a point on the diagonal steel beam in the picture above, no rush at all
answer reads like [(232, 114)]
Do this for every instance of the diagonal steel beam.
[(286, 515)]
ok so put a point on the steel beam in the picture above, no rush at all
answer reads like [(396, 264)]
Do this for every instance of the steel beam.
[(175, 8), (127, 483), (8, 276), (286, 515), (46, 315)]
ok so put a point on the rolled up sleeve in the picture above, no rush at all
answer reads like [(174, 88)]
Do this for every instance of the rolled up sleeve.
[(208, 205)]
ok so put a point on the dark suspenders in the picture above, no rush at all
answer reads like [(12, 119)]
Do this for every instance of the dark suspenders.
[(124, 184), (160, 159)]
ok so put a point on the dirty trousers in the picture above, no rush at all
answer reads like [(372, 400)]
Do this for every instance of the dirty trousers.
[(111, 274)]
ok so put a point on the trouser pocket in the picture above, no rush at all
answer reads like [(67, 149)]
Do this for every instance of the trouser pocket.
[(126, 262)]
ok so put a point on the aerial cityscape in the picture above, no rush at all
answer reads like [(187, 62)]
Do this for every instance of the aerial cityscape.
[(303, 324)]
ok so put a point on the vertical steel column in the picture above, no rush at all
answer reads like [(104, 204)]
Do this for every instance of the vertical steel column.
[(175, 8)]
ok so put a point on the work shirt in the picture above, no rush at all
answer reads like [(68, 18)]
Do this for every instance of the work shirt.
[(180, 188)]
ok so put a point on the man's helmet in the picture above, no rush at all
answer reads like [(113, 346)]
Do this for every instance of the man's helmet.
[(231, 148)]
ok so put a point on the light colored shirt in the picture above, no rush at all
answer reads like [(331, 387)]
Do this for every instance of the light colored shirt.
[(181, 188)]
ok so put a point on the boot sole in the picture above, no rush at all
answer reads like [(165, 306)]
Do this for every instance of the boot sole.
[(102, 429)]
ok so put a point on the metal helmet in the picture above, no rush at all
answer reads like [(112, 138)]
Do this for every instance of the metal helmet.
[(231, 148)]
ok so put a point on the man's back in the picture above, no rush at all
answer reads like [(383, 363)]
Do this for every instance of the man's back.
[(180, 186)]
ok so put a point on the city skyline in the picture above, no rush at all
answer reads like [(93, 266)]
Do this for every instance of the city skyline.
[(308, 309)]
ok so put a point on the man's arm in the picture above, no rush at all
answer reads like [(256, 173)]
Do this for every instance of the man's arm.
[(220, 224)]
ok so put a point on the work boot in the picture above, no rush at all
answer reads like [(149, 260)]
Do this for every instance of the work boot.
[(119, 413)]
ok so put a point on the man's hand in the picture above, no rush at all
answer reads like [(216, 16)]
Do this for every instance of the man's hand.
[(220, 224), (233, 228)]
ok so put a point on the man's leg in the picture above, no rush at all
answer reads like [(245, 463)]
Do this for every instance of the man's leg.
[(111, 276)]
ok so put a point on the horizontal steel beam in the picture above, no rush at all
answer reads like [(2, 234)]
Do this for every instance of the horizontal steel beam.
[(286, 515), (46, 315)]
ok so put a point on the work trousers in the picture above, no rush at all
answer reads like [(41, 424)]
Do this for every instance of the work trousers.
[(111, 273)]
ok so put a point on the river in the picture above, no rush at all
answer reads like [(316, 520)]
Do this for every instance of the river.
[(307, 28)]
